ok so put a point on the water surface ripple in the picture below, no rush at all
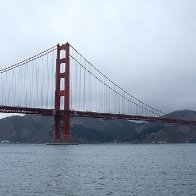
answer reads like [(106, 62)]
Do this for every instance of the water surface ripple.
[(103, 169)]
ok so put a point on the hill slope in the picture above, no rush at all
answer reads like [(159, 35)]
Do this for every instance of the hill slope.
[(39, 129)]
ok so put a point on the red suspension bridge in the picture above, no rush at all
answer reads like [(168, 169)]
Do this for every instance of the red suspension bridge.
[(61, 82)]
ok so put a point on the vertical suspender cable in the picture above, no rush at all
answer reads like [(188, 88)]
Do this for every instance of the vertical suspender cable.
[(36, 80), (85, 85), (80, 84), (76, 83)]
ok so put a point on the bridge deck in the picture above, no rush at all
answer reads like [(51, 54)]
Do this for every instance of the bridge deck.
[(106, 116)]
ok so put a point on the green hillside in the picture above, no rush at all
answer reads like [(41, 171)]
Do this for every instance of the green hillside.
[(39, 129)]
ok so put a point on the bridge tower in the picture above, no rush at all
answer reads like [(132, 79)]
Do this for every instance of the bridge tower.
[(62, 94)]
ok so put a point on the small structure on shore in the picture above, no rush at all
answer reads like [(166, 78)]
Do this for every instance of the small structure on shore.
[(5, 142)]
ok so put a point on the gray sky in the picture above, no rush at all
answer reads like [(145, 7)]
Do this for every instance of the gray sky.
[(146, 46)]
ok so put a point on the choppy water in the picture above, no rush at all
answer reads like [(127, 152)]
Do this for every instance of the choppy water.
[(106, 169)]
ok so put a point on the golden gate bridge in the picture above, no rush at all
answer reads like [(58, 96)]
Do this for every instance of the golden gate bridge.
[(61, 82)]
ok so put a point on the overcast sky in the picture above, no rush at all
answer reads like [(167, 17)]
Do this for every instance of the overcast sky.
[(146, 46)]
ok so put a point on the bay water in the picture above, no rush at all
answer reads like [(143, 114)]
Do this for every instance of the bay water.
[(98, 169)]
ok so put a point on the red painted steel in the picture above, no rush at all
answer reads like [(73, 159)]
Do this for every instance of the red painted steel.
[(105, 116), (62, 114), (61, 132), (67, 94), (110, 116), (25, 110)]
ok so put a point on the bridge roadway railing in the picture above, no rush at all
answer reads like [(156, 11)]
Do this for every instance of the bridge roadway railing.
[(105, 116)]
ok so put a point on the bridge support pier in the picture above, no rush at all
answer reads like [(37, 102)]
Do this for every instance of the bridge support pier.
[(62, 94)]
